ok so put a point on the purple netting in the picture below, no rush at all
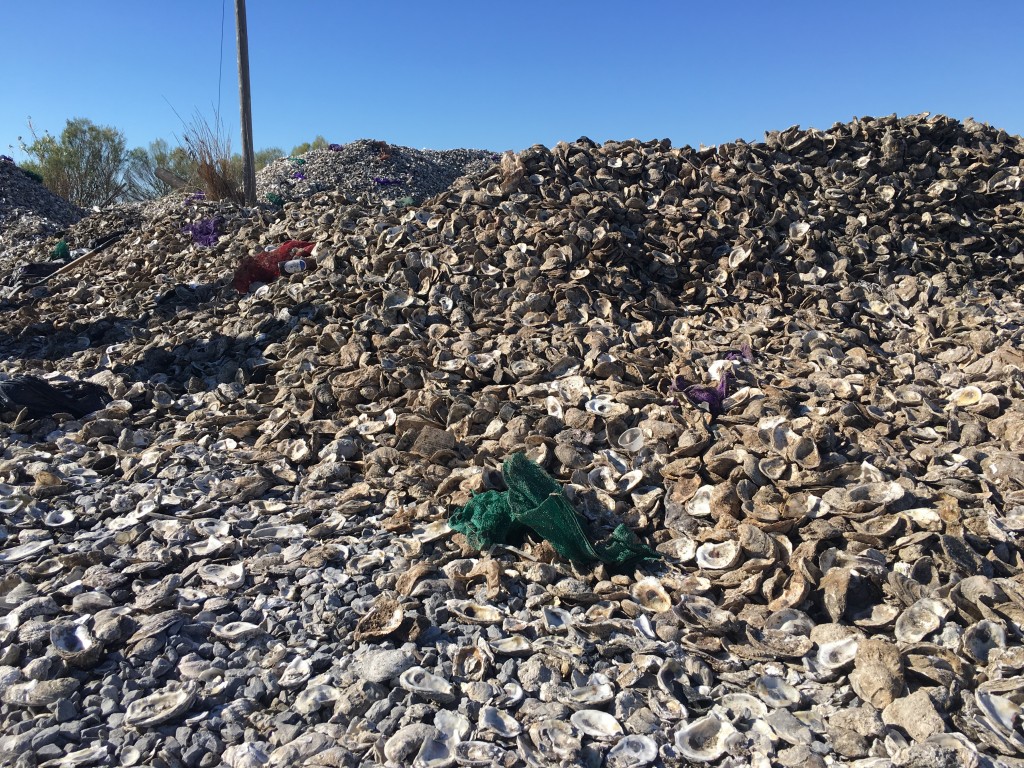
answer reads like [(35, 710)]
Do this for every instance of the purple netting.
[(745, 354), (205, 231), (713, 397)]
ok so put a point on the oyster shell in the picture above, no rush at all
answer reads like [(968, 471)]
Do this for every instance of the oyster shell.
[(516, 645), (981, 638), (227, 576), (494, 722), (776, 692), (706, 739), (160, 707), (478, 754), (719, 557), (427, 685), (595, 723), (75, 644), (632, 751), (385, 617), (920, 620), (650, 593)]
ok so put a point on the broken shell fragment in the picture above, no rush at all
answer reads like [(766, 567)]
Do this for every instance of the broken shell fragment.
[(475, 613), (237, 631), (590, 696), (22, 552), (700, 504), (554, 407), (295, 673), (837, 654), (38, 693), (604, 406), (743, 708), (227, 576)]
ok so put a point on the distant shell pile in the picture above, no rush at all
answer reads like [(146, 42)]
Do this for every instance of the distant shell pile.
[(28, 209), (371, 169), (244, 558)]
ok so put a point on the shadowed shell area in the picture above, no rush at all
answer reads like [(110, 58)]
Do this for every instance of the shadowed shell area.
[(793, 368)]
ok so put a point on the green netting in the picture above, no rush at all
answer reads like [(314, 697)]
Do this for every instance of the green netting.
[(60, 251), (534, 501)]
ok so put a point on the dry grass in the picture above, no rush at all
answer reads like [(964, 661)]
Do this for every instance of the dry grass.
[(210, 148)]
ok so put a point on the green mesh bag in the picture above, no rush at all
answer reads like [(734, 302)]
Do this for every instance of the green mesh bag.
[(60, 251), (534, 501)]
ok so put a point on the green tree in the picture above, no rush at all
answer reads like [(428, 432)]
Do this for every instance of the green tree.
[(90, 165), (318, 143), (141, 177), (85, 165), (261, 157), (265, 157)]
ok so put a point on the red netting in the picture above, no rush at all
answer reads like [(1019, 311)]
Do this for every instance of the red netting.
[(264, 267)]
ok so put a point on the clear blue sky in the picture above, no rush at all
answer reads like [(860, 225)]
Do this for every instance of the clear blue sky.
[(505, 75)]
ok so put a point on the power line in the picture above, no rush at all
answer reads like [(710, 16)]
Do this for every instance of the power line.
[(220, 75)]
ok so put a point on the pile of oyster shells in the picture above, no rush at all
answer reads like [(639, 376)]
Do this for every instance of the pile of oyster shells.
[(244, 559), (371, 169), (28, 210)]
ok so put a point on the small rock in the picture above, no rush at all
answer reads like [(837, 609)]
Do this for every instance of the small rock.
[(357, 698), (863, 720), (297, 751), (193, 755), (478, 691), (800, 757), (13, 745), (384, 666), (533, 672), (915, 714), (644, 721), (928, 756), (66, 711), (430, 440), (791, 730), (46, 736), (878, 672), (848, 743), (48, 752)]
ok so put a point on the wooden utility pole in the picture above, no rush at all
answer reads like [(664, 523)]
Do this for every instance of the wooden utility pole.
[(248, 156)]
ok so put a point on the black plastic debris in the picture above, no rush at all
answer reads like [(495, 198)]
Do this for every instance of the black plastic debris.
[(36, 271), (42, 398)]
